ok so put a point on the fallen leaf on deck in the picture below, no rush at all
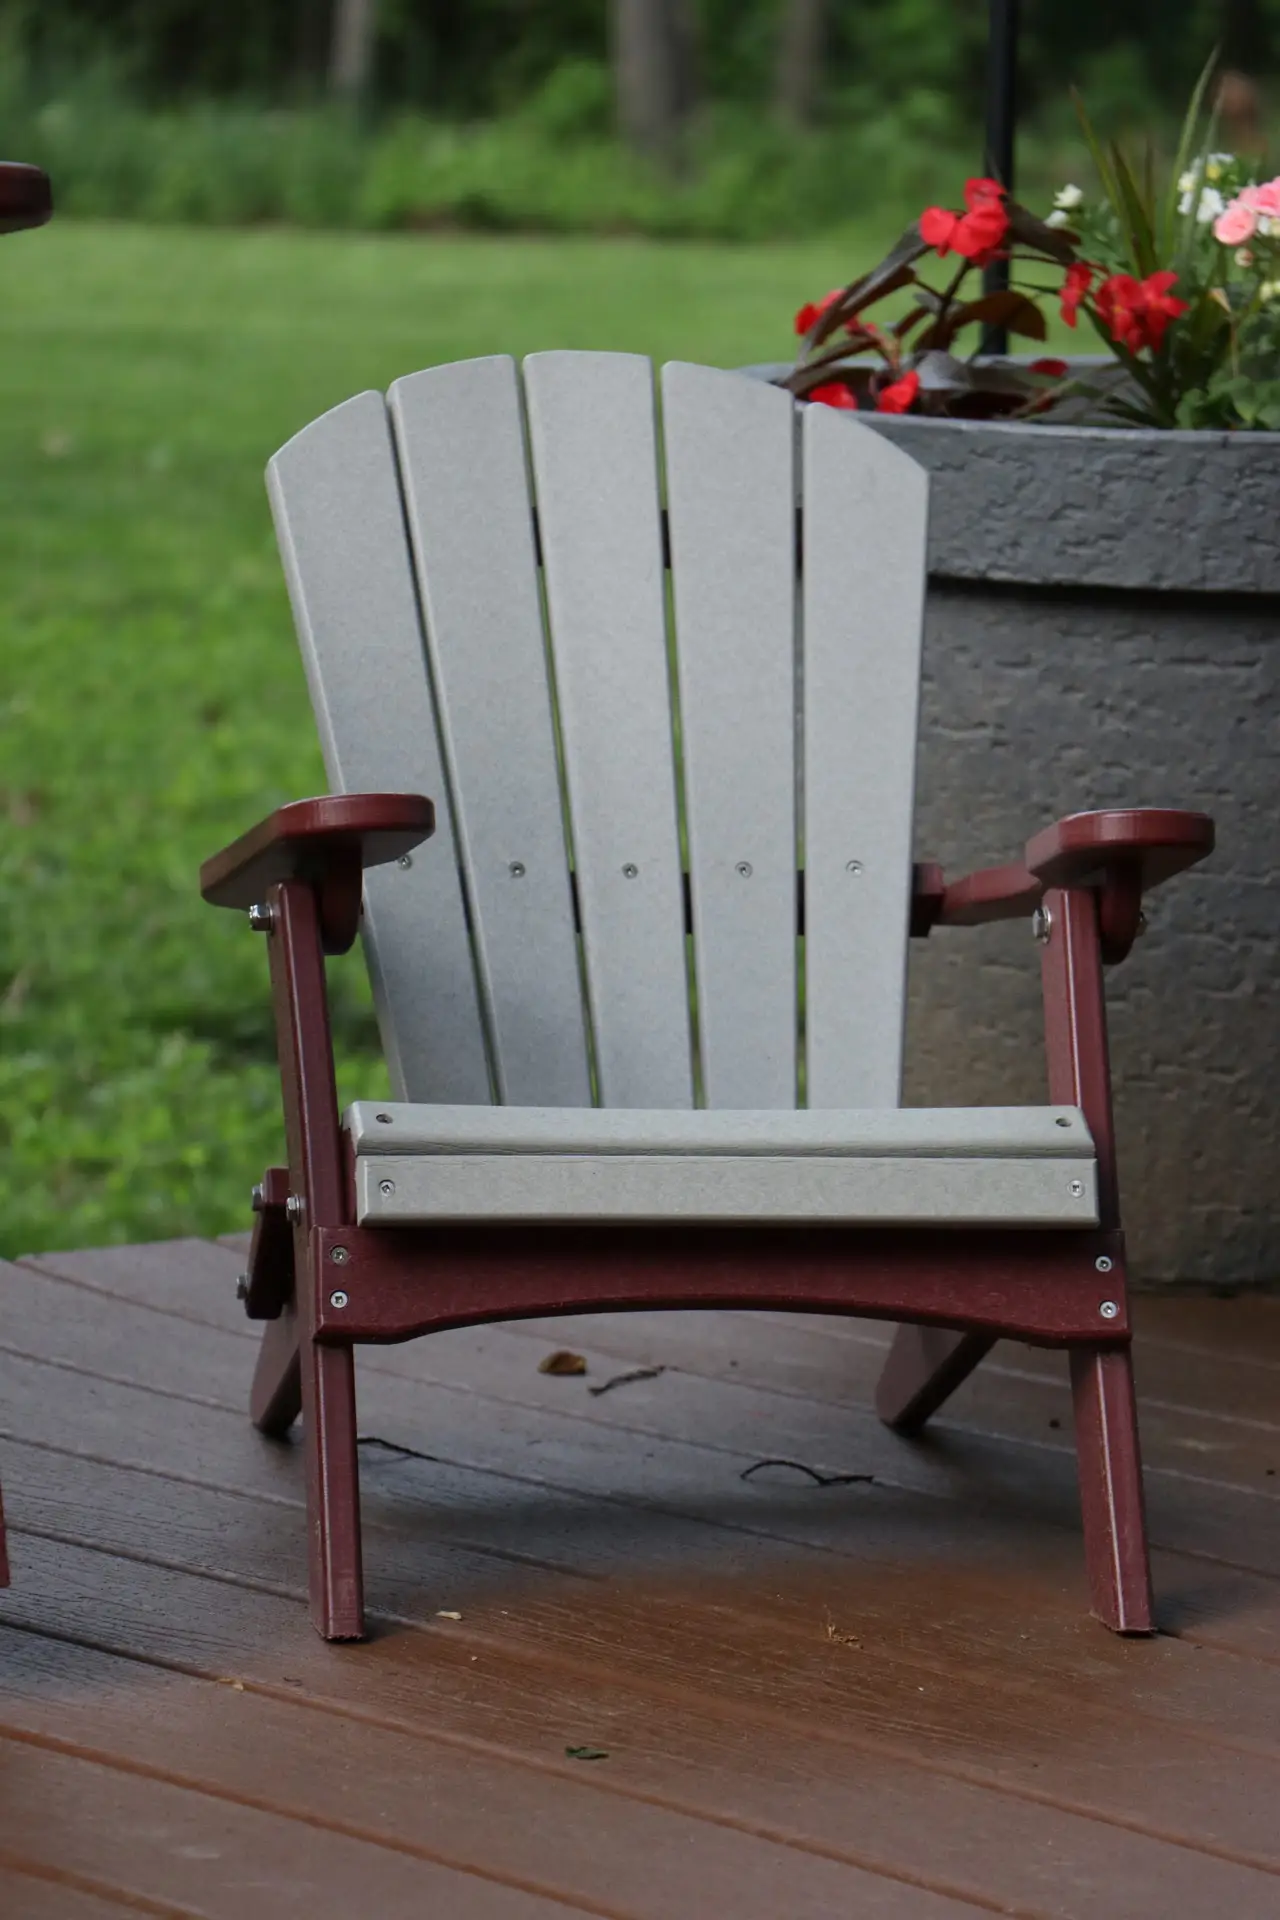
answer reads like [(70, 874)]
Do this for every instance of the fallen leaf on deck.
[(447, 1613), (625, 1379), (586, 1753), (562, 1361)]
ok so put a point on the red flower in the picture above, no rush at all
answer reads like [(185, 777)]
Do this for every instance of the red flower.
[(1136, 312), (974, 235), (812, 310), (834, 394), (1074, 288), (899, 397), (1052, 369)]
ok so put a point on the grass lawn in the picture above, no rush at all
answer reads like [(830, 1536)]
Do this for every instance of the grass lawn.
[(151, 701)]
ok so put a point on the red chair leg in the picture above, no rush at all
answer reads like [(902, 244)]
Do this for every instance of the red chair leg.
[(1115, 1535), (333, 1491), (275, 1400), (925, 1366)]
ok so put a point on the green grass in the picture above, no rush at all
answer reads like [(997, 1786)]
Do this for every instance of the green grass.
[(151, 701)]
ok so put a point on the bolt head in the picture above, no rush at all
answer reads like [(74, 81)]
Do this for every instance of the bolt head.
[(630, 871), (386, 1188), (242, 1286), (743, 869), (1103, 1263), (261, 918), (293, 1208), (1077, 1188), (516, 869), (1042, 924), (338, 1299), (257, 1198), (1109, 1310), (339, 1256), (405, 860), (853, 866)]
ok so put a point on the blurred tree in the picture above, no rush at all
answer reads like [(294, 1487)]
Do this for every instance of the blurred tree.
[(351, 52), (654, 43), (801, 44)]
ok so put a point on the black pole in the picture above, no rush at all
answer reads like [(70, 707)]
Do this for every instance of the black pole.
[(1002, 111)]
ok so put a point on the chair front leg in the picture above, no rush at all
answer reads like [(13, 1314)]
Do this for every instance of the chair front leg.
[(294, 1362), (1106, 1420)]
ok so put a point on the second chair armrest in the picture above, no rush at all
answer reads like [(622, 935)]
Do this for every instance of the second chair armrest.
[(1147, 844), (328, 843)]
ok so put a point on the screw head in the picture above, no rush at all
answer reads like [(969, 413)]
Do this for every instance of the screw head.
[(1077, 1188), (1103, 1263), (338, 1299), (405, 860), (1042, 924), (516, 869), (1109, 1310), (339, 1256), (853, 866), (242, 1286), (293, 1208), (630, 871), (261, 918), (743, 869), (386, 1188), (384, 1119)]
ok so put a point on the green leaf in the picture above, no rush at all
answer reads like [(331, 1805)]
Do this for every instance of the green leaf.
[(1134, 216), (1181, 159)]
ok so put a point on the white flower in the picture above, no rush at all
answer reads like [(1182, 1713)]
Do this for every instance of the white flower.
[(1210, 205), (1266, 225), (1068, 198), (1187, 185), (1244, 256), (1269, 291), (1058, 218), (1215, 162)]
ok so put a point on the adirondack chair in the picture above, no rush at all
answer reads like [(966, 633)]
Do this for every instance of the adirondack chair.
[(26, 200), (620, 1078)]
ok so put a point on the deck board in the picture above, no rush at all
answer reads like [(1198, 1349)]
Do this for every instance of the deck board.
[(879, 1697)]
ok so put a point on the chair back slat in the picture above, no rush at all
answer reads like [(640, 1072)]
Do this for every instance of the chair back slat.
[(731, 498), (460, 435), (865, 517), (593, 446), (335, 495)]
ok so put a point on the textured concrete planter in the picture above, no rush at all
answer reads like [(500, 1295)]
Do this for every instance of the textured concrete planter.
[(1104, 629)]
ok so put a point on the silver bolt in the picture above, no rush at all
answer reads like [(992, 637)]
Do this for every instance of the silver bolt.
[(743, 869), (1109, 1310), (1077, 1188), (293, 1209), (338, 1299), (386, 1188), (257, 1198), (405, 860), (1042, 924), (516, 869), (339, 1256), (242, 1286), (853, 866), (261, 919), (1103, 1263), (630, 871), (384, 1118)]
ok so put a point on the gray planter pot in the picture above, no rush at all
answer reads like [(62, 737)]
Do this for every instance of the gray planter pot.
[(1103, 629)]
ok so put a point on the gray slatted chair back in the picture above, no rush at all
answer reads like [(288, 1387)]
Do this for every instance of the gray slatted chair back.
[(652, 666)]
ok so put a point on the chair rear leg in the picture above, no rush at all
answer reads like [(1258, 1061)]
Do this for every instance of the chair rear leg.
[(1115, 1528), (275, 1399), (4, 1557), (925, 1366)]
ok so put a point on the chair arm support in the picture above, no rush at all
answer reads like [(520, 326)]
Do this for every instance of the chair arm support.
[(992, 893), (327, 844)]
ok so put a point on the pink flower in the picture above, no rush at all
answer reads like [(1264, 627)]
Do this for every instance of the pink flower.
[(1238, 221), (1265, 199)]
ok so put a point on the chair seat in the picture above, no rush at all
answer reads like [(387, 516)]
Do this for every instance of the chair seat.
[(978, 1166)]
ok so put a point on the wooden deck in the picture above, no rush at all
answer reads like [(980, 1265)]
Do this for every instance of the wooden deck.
[(617, 1672)]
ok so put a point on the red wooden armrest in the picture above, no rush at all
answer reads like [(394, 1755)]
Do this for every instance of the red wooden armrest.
[(327, 843), (26, 198), (1148, 843)]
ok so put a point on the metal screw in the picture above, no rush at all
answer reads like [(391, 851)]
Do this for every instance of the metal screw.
[(293, 1208), (386, 1188), (1109, 1310), (853, 866), (257, 1198), (1042, 924), (261, 919), (516, 869), (385, 1118), (1062, 1121), (339, 1256), (338, 1299), (242, 1286), (743, 869), (405, 860), (630, 871), (1103, 1263), (1077, 1188)]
